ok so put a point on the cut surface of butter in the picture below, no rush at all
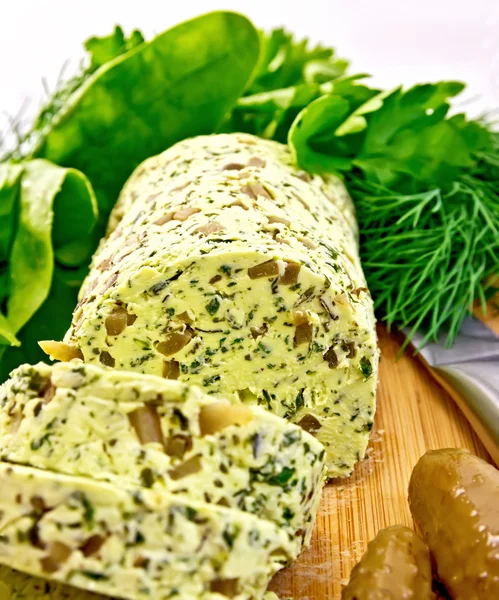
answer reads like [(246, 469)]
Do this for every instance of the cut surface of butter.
[(130, 542), (146, 431)]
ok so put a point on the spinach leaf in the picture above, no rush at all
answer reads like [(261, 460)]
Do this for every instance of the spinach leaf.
[(75, 214), (100, 50), (104, 49), (7, 338), (10, 177), (50, 321), (44, 188), (178, 85), (286, 62)]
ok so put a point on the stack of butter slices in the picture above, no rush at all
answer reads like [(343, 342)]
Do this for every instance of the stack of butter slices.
[(221, 364), (139, 487)]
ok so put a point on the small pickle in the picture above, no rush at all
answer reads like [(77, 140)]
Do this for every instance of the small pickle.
[(396, 566), (454, 498)]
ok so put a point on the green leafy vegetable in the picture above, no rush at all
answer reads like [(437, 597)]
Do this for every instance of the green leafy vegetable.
[(105, 49), (49, 322), (324, 135), (100, 51), (410, 135), (270, 114), (10, 177), (52, 213), (178, 85), (45, 186), (32, 259), (389, 136), (427, 255), (288, 77), (285, 62)]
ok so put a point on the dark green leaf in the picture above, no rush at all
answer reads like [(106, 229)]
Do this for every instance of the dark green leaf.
[(178, 85), (270, 114), (103, 50), (409, 136), (286, 62), (10, 178), (325, 135), (404, 109), (75, 214), (289, 75), (44, 187), (50, 322), (325, 113)]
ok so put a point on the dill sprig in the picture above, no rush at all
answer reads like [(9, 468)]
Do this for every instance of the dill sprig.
[(427, 256), (25, 135)]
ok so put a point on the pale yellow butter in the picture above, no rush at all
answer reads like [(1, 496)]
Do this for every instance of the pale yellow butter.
[(228, 268), (147, 431), (134, 543)]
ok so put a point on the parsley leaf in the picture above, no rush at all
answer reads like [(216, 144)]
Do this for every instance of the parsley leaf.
[(286, 62)]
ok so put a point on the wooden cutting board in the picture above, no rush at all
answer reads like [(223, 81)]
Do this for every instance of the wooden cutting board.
[(414, 414)]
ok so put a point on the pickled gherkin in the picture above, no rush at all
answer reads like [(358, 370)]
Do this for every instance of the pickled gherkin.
[(396, 566), (454, 498)]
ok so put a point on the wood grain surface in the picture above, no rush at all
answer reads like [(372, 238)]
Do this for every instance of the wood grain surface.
[(414, 414)]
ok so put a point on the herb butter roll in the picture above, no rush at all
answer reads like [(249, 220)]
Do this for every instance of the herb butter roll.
[(226, 267), (130, 542), (117, 426)]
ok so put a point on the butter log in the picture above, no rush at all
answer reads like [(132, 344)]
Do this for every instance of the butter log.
[(226, 267)]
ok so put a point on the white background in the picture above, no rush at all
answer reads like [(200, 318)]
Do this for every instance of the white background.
[(399, 41)]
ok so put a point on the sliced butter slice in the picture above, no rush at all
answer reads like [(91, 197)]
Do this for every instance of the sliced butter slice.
[(228, 268), (111, 425), (133, 543), (15, 585)]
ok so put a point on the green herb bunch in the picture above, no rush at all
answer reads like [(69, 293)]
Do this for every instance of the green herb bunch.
[(425, 184)]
